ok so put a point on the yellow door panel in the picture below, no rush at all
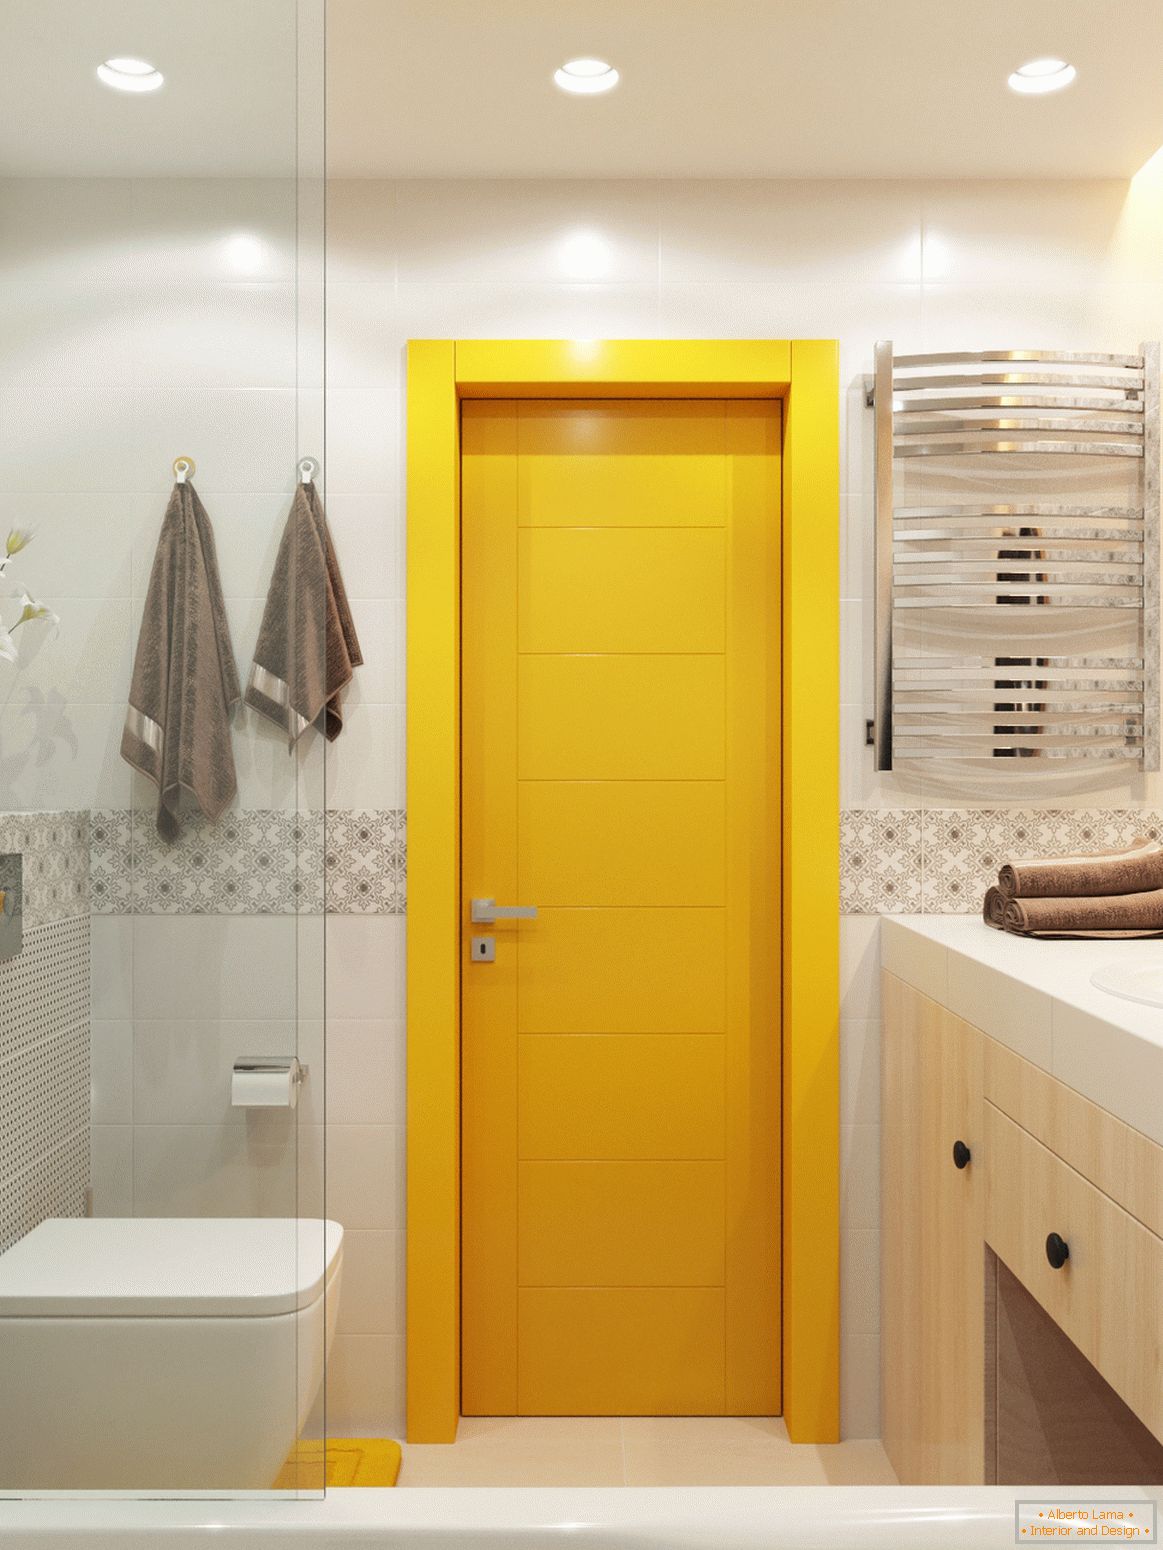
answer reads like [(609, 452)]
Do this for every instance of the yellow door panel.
[(622, 589), (620, 1224), (622, 971), (621, 757), (620, 718), (622, 465), (620, 1096), (621, 842), (621, 1351)]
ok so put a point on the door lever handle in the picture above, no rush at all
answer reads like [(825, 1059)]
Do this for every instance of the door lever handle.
[(486, 911)]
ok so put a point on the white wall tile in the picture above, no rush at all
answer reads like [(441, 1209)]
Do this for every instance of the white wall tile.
[(365, 966), (111, 1071), (111, 1169), (58, 757), (369, 536), (860, 1282), (365, 766), (217, 1170), (362, 439), (860, 1071), (182, 1068), (996, 233), (361, 231), (859, 1386), (819, 232), (371, 1300), (365, 1072), (365, 1176), (214, 966), (365, 1386), (859, 1176), (111, 966), (859, 967), (517, 233)]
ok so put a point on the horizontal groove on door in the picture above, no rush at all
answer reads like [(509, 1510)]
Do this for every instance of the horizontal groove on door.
[(620, 1224), (621, 1350), (624, 970), (617, 717), (621, 1097)]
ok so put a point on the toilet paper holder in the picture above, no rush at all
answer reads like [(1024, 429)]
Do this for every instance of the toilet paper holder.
[(266, 1081)]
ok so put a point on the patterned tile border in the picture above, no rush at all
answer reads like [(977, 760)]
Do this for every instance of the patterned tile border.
[(55, 847), (258, 862), (940, 861)]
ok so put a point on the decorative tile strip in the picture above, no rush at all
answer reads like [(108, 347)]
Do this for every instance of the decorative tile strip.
[(962, 848), (880, 861), (367, 862), (55, 847), (252, 862), (941, 860)]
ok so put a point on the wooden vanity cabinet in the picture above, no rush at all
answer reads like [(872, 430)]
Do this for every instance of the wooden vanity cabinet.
[(932, 1241)]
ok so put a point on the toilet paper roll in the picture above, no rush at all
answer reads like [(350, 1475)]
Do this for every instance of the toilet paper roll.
[(265, 1087)]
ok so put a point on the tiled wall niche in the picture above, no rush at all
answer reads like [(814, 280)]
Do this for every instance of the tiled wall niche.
[(932, 266)]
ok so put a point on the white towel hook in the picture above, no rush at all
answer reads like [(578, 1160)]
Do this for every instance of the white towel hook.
[(184, 468), (308, 468)]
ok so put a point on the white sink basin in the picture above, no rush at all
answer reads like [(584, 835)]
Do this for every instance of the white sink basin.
[(1142, 984)]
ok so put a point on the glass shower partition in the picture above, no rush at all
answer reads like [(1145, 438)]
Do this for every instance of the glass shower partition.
[(161, 998)]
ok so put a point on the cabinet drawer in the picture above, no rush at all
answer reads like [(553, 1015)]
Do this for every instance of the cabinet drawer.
[(1108, 1296), (1122, 1163)]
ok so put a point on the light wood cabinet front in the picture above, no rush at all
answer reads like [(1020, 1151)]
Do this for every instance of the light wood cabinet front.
[(932, 1242), (1108, 1295)]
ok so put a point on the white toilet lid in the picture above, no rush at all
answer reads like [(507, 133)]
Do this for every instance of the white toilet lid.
[(182, 1267)]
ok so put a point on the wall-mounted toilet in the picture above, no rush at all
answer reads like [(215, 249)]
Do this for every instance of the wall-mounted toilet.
[(162, 1354)]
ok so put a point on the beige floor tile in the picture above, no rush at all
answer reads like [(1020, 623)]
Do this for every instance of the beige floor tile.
[(857, 1463), (639, 1450), (533, 1463), (519, 1430)]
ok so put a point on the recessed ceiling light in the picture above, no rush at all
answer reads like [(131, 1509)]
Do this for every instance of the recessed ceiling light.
[(130, 75), (1042, 75), (586, 77)]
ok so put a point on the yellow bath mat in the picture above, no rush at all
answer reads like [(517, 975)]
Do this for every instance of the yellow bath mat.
[(340, 1461)]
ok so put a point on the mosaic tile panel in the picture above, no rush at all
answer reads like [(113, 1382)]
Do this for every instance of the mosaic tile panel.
[(44, 1077), (55, 847), (258, 862), (941, 861), (880, 861)]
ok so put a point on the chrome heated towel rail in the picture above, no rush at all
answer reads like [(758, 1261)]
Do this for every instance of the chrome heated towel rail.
[(1031, 692)]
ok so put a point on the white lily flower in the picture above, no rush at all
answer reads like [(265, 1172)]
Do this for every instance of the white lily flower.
[(8, 651), (31, 610), (18, 538)]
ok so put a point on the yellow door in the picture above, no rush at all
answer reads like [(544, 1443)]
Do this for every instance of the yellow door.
[(621, 766)]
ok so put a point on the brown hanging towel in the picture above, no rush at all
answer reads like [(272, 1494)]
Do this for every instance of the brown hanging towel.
[(185, 684), (307, 646)]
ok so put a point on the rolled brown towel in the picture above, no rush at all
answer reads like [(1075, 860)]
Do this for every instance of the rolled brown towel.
[(1124, 915), (1137, 869), (993, 911)]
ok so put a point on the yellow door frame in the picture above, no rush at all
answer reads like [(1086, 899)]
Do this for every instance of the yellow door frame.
[(804, 375)]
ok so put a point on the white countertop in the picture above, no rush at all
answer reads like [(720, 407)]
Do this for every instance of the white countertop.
[(1036, 997)]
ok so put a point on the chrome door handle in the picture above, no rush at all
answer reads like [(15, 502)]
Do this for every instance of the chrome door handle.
[(486, 911)]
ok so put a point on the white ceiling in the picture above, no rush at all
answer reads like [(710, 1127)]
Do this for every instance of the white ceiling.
[(462, 88)]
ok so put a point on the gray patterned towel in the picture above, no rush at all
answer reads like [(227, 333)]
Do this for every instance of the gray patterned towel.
[(185, 684), (307, 646)]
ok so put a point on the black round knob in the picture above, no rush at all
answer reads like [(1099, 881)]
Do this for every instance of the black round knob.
[(1057, 1251), (962, 1156)]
